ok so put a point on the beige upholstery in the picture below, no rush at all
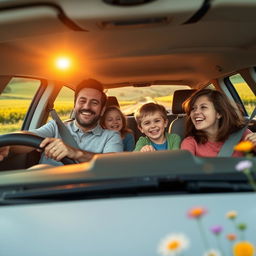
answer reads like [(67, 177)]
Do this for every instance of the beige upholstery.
[(178, 125)]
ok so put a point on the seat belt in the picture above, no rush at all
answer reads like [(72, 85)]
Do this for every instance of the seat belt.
[(63, 130), (228, 146)]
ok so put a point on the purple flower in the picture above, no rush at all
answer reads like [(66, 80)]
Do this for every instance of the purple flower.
[(242, 165), (216, 229)]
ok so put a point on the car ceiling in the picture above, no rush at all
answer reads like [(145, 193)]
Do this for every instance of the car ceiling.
[(163, 41)]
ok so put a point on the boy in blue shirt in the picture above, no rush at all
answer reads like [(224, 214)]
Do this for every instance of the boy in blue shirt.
[(152, 120)]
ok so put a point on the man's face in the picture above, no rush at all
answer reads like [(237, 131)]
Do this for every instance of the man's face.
[(88, 108)]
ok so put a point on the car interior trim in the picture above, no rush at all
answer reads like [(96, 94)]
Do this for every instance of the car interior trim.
[(200, 13), (62, 16)]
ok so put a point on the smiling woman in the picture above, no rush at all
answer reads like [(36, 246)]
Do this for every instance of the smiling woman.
[(211, 123)]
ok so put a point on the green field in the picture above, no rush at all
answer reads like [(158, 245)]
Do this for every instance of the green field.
[(14, 104)]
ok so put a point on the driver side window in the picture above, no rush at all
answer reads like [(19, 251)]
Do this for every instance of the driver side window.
[(15, 101)]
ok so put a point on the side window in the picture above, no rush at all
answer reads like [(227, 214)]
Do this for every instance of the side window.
[(210, 86), (64, 103), (244, 91), (15, 101)]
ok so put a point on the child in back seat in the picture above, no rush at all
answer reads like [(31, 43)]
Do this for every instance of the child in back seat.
[(114, 119), (152, 120)]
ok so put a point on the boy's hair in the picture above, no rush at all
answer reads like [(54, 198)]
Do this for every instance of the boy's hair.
[(147, 109), (94, 84), (124, 129), (231, 118)]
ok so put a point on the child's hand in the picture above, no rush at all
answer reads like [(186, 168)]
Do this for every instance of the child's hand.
[(252, 138), (4, 151), (147, 148)]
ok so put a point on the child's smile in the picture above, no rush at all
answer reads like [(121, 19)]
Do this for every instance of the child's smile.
[(113, 120), (153, 126)]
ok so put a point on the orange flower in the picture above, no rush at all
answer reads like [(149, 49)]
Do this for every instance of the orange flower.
[(231, 237), (196, 212), (231, 215), (243, 248), (244, 146)]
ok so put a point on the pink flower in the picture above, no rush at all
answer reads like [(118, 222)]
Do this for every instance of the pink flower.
[(216, 229), (242, 165)]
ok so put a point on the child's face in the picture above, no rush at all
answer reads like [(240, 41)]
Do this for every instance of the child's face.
[(204, 116), (153, 126), (113, 121)]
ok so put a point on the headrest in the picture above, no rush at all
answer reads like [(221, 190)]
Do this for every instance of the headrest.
[(179, 97), (112, 101)]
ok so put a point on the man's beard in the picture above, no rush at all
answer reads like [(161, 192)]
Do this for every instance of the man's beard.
[(90, 124)]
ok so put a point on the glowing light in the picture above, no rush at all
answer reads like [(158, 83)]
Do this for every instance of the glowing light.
[(63, 63)]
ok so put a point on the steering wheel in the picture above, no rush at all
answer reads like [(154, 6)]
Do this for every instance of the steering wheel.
[(31, 140)]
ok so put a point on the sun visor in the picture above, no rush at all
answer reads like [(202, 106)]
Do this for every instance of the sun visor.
[(32, 20)]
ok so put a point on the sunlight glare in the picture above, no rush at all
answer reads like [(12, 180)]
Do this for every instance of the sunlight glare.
[(63, 63)]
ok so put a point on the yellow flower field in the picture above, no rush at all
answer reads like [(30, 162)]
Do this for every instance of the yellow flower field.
[(11, 117), (13, 111)]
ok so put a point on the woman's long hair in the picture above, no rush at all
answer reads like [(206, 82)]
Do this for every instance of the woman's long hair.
[(124, 129), (231, 117)]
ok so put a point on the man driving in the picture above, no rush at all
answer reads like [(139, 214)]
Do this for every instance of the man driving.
[(91, 138)]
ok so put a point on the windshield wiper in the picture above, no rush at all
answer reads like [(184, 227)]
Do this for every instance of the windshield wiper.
[(142, 186), (87, 190), (119, 175)]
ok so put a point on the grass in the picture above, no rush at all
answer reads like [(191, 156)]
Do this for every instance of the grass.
[(13, 105)]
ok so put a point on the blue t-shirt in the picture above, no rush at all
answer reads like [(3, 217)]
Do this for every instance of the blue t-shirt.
[(129, 142), (159, 146)]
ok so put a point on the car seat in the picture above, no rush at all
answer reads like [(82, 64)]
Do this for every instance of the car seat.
[(112, 101), (178, 125)]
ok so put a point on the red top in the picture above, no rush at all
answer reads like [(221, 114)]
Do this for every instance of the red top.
[(209, 149)]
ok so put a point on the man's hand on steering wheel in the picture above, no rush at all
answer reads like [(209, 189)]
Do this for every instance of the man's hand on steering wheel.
[(33, 141), (4, 152), (56, 149)]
